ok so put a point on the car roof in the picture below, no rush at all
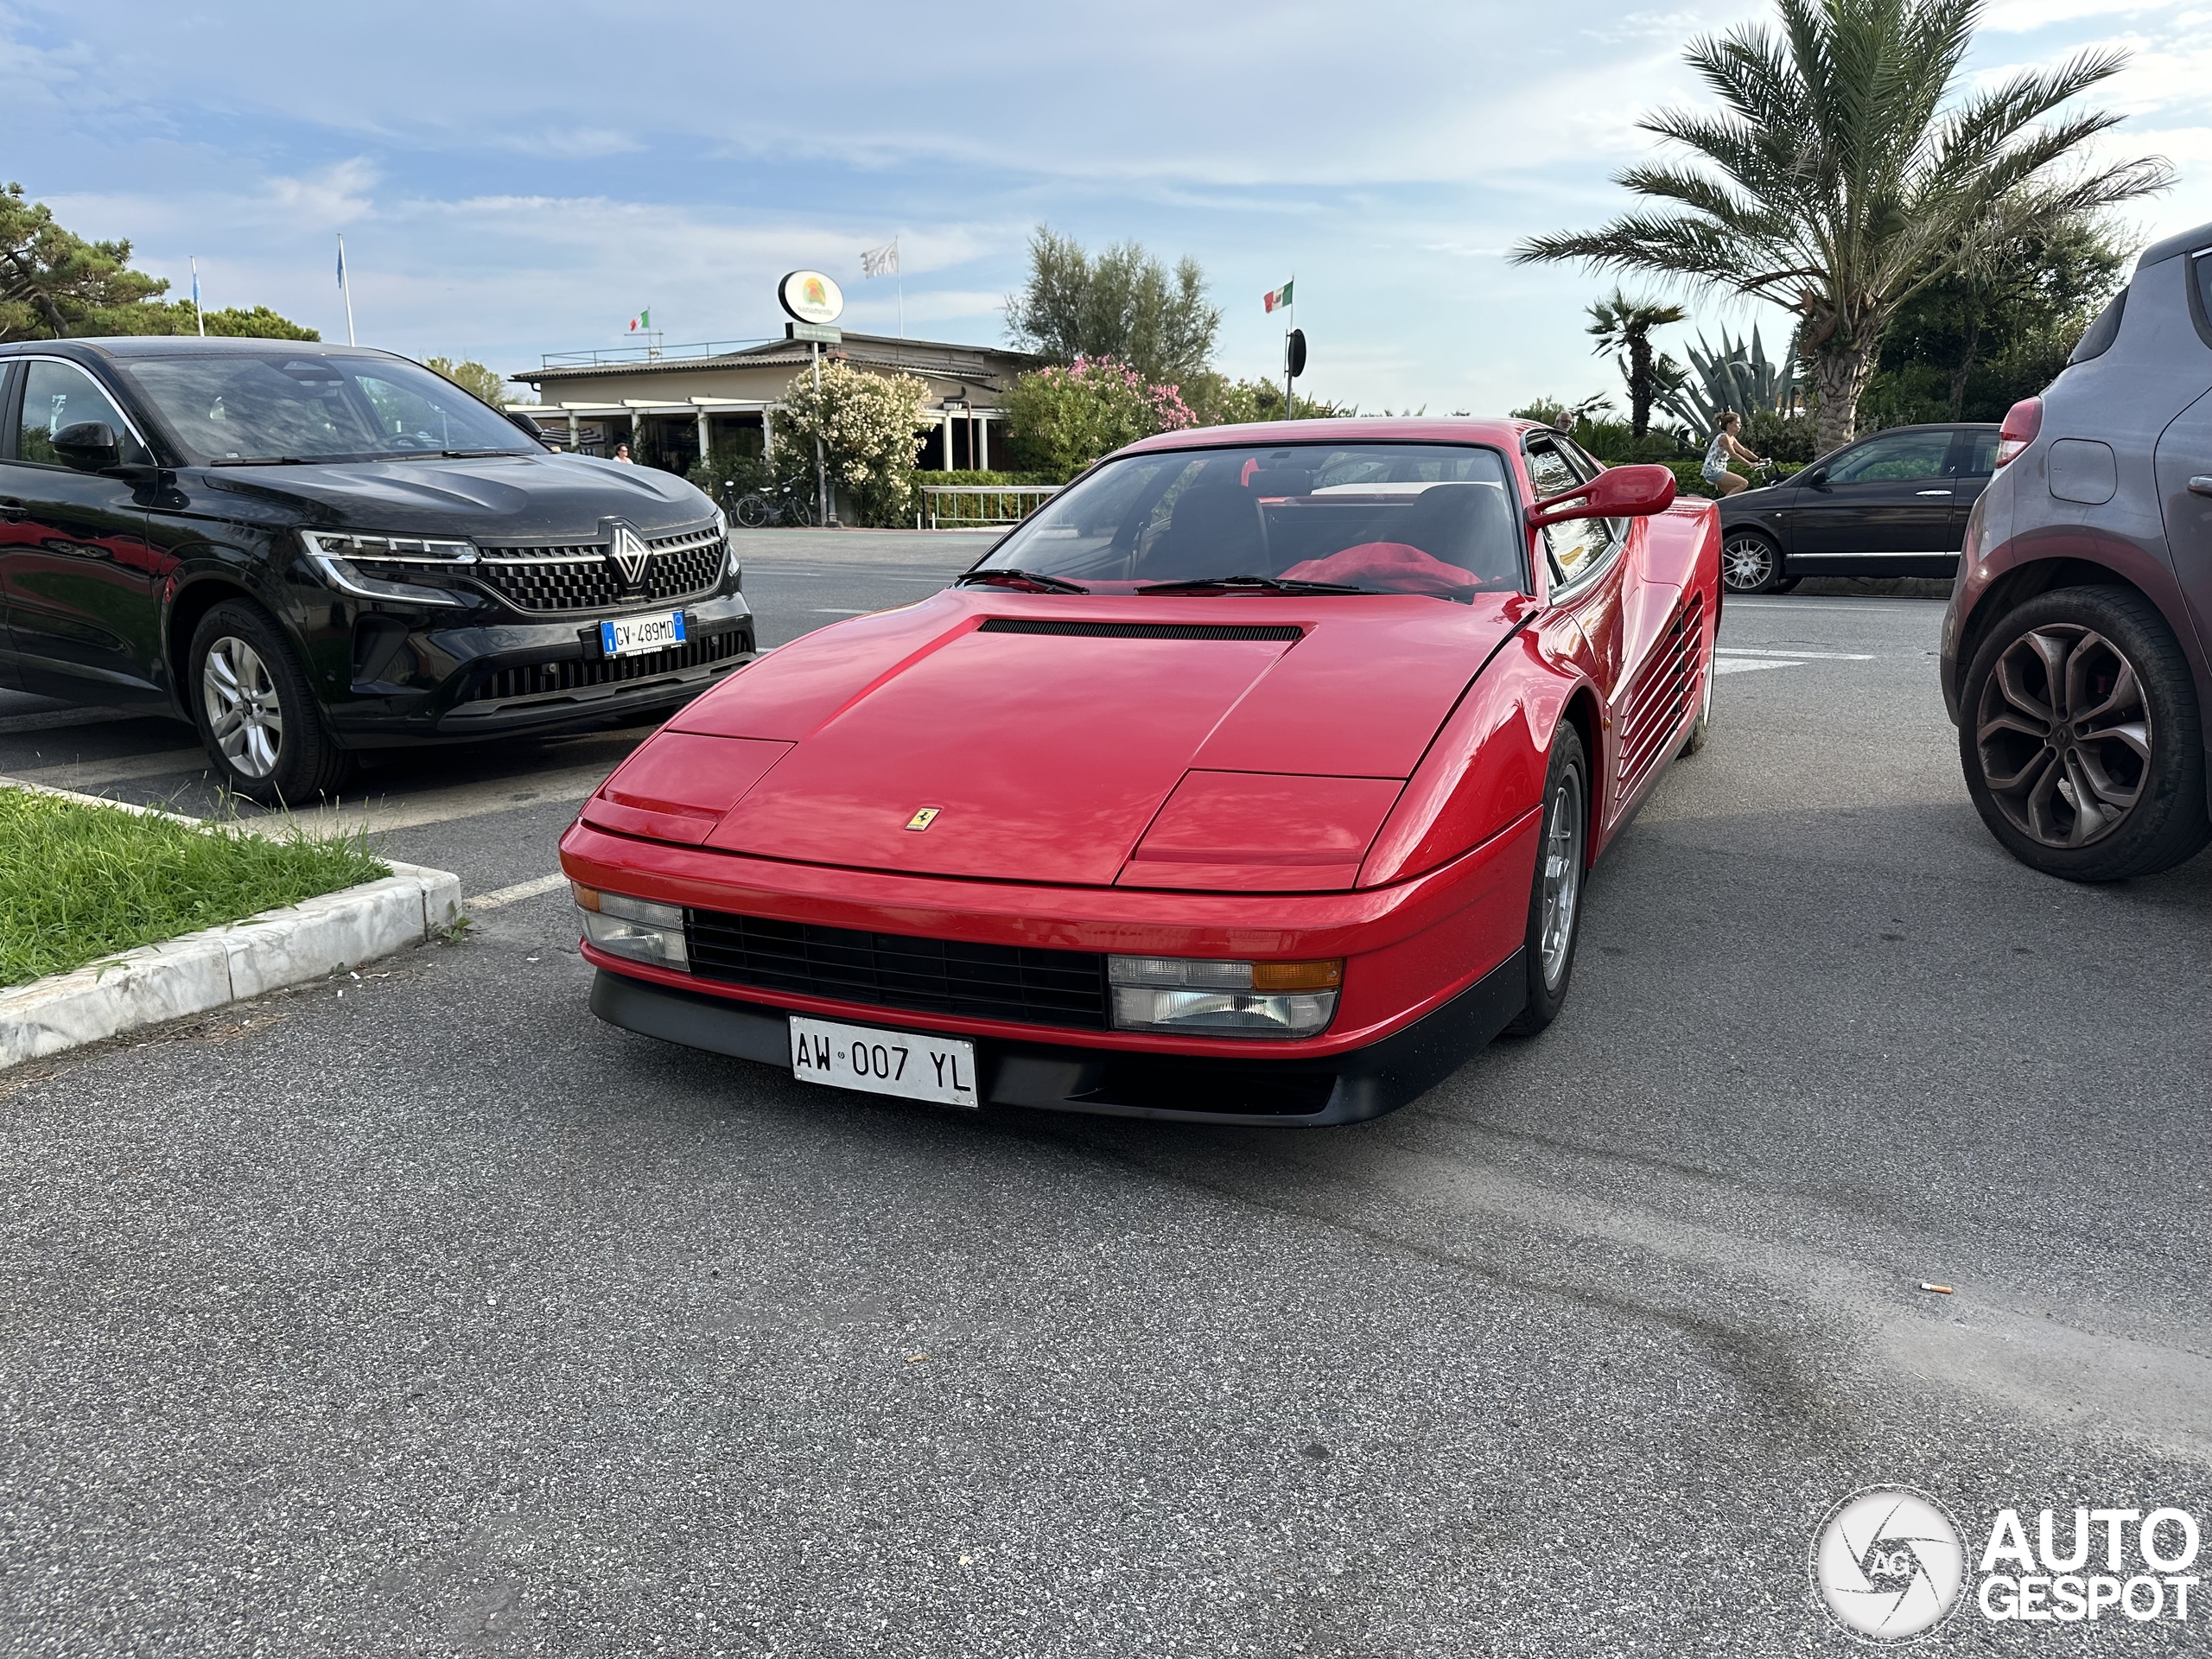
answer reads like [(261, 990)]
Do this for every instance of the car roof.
[(1416, 429), (2181, 242), (183, 345)]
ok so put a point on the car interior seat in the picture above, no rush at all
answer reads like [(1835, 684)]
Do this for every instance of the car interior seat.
[(1471, 526), (1214, 531)]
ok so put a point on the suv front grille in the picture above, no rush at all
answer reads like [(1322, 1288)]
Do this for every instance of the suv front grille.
[(542, 679), (891, 970), (551, 581)]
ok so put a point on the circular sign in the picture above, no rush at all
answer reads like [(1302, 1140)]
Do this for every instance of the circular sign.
[(1887, 1563), (811, 297)]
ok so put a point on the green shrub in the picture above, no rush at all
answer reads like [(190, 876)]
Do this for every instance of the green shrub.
[(924, 476)]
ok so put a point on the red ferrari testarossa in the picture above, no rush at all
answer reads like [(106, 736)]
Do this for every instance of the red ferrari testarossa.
[(1253, 778)]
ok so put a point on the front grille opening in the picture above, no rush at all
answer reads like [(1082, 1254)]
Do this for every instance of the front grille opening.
[(552, 581), (1144, 630), (542, 679), (893, 970)]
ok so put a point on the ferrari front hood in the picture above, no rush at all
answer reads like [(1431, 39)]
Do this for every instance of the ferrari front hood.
[(1034, 738)]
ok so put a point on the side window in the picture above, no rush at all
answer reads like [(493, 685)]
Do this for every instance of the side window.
[(1975, 456), (1578, 544), (56, 395), (1899, 457)]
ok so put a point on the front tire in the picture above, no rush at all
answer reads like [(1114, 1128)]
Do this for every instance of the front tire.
[(1749, 562), (2080, 737), (1555, 894), (255, 715)]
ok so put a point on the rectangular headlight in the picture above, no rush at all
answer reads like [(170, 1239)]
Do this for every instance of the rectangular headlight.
[(1214, 998), (637, 928)]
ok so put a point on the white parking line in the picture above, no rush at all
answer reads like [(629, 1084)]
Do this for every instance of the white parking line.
[(87, 774), (1741, 665), (1804, 656), (517, 893)]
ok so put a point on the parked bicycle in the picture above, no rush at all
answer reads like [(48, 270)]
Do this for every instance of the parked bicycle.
[(788, 504)]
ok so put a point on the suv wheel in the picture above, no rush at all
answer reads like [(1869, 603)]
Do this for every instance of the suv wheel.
[(2082, 739), (1749, 564), (254, 711)]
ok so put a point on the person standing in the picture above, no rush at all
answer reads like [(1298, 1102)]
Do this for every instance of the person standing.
[(622, 455), (1725, 449)]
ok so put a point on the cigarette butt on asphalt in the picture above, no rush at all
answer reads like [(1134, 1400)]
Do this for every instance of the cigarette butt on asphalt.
[(1941, 1290)]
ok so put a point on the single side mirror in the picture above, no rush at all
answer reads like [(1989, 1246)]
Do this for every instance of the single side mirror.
[(1617, 493), (88, 446), (1817, 479)]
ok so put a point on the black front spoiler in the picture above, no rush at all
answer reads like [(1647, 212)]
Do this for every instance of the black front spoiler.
[(1346, 1088)]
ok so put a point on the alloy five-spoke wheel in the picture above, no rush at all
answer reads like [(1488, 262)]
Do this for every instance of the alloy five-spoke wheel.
[(2064, 735), (1748, 563), (2080, 737), (1563, 877), (246, 711)]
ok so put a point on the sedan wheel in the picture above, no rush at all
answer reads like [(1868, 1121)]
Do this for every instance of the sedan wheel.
[(1749, 564), (245, 713), (2081, 739)]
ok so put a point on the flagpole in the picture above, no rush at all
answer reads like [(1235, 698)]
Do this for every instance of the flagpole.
[(901, 271), (1290, 318), (346, 287)]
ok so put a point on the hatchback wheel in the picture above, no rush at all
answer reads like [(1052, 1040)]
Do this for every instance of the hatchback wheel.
[(1749, 564), (1555, 896), (2080, 737), (255, 715)]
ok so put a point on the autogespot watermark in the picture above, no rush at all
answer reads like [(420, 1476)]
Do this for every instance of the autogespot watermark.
[(1891, 1565)]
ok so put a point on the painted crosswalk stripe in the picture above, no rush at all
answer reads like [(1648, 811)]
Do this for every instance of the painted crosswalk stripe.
[(1798, 656)]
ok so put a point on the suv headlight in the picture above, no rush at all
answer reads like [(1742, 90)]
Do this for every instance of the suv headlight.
[(1206, 998), (379, 567), (731, 564)]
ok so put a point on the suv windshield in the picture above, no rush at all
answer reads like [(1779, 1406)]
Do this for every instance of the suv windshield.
[(304, 406), (1368, 517)]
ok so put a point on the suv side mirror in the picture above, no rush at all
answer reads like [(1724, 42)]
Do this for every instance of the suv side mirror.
[(89, 445), (1617, 493)]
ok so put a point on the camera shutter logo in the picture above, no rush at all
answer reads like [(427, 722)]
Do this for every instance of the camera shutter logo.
[(1887, 1564), (628, 550)]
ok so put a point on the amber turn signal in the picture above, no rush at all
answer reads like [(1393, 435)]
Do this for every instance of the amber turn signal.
[(587, 897), (1298, 975)]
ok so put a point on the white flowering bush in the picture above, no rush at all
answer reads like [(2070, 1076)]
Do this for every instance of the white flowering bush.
[(868, 424)]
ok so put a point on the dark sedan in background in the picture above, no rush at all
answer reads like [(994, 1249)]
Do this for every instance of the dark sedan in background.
[(1891, 505)]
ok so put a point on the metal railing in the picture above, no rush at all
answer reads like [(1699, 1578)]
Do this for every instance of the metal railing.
[(644, 354), (950, 506)]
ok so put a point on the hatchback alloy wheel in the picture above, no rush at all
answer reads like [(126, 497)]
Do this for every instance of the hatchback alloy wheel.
[(2064, 735), (244, 712)]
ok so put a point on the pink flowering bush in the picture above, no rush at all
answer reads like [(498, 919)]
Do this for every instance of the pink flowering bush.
[(1064, 419)]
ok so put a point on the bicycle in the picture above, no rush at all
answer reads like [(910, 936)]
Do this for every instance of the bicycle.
[(787, 505)]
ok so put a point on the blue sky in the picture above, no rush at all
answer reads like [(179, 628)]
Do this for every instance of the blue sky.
[(519, 178)]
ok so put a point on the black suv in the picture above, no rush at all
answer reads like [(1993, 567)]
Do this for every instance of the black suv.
[(1891, 505), (308, 551)]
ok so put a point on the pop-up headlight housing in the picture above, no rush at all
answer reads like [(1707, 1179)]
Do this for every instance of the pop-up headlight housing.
[(1200, 997)]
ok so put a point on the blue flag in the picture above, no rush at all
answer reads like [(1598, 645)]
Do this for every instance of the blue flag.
[(341, 262)]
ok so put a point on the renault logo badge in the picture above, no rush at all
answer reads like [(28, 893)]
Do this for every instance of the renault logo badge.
[(628, 550), (923, 819)]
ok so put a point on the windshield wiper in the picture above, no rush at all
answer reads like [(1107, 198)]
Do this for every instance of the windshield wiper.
[(261, 460), (1034, 579), (476, 454), (1250, 585)]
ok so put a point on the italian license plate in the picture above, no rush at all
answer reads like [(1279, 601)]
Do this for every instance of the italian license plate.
[(634, 636), (941, 1069)]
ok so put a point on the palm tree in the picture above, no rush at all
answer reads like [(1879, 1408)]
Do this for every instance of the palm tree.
[(1621, 324), (1840, 176)]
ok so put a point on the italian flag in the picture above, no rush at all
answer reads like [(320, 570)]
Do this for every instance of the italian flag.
[(1277, 299), (643, 319)]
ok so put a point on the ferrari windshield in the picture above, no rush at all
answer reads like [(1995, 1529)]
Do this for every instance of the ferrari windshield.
[(1298, 518), (272, 406)]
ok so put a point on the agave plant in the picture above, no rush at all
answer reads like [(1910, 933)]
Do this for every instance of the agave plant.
[(1740, 376)]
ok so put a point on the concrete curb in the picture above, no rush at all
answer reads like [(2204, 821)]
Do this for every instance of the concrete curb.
[(203, 970)]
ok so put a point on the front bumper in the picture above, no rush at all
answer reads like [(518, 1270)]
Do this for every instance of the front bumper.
[(420, 679), (1348, 1087), (1431, 972)]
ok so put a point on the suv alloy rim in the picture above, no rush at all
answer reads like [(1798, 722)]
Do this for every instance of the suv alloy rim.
[(1562, 876), (2063, 734), (1746, 561), (243, 709)]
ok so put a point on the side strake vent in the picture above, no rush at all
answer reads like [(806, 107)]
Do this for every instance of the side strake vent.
[(1144, 630), (1672, 683)]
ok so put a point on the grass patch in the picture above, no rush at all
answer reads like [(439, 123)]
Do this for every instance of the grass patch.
[(84, 882)]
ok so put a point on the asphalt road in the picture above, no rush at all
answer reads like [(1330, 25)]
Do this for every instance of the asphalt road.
[(420, 1313)]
